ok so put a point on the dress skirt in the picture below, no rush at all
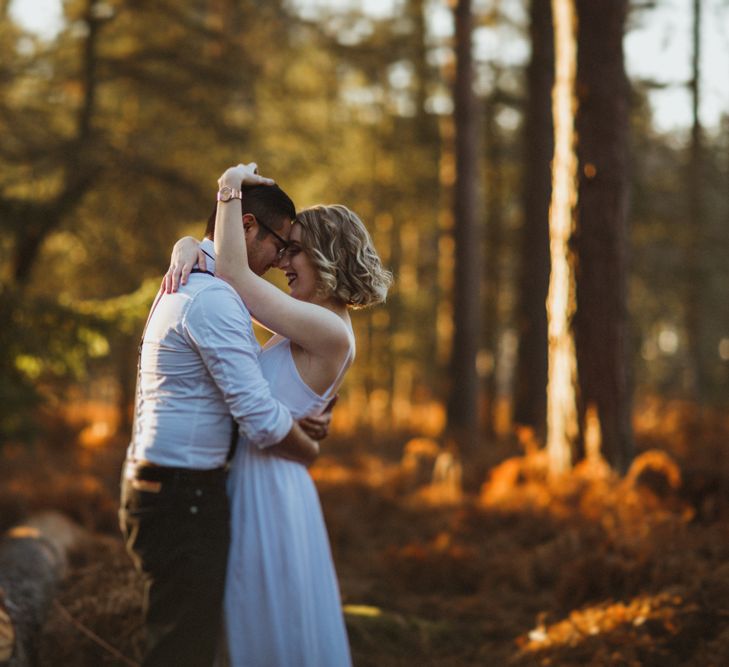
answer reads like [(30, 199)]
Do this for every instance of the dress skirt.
[(282, 603)]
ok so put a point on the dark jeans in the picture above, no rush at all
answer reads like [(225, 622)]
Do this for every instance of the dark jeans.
[(176, 527)]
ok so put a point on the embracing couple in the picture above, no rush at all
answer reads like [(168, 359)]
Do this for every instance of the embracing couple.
[(219, 513)]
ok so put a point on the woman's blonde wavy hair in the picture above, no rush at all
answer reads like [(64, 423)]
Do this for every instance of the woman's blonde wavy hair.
[(341, 249)]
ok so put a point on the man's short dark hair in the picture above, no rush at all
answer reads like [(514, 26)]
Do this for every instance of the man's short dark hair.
[(269, 203)]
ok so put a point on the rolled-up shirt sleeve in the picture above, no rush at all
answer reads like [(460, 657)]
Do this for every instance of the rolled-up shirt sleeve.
[(219, 327)]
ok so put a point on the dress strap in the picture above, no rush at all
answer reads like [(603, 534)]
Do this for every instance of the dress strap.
[(342, 371)]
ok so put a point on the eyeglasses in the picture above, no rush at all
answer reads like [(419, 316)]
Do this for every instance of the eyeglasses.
[(280, 239), (291, 250)]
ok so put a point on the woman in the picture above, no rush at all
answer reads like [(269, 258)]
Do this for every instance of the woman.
[(282, 603)]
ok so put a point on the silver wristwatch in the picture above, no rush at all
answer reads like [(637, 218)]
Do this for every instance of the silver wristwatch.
[(226, 193)]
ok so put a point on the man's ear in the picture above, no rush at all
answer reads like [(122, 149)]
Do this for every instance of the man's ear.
[(248, 221)]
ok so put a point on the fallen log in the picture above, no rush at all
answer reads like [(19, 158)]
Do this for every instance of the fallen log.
[(33, 561)]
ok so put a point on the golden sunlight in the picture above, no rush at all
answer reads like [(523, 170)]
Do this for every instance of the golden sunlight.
[(561, 406), (626, 618)]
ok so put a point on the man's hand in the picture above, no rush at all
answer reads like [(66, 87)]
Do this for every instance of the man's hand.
[(318, 427), (243, 174), (297, 446)]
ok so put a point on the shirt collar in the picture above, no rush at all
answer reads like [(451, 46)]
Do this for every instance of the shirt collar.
[(209, 247)]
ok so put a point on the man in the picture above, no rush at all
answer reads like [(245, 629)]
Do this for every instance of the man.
[(199, 366)]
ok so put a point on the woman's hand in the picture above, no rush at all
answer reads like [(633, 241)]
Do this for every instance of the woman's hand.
[(243, 174), (317, 427), (185, 254)]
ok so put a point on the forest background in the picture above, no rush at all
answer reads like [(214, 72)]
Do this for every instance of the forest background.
[(115, 128)]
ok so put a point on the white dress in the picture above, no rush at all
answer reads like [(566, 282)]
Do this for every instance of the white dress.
[(282, 602)]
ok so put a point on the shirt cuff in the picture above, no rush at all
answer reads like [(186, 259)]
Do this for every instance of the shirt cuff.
[(275, 434)]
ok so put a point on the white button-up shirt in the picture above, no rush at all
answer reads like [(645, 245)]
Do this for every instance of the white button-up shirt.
[(199, 366)]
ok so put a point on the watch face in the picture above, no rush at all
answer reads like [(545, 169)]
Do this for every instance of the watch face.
[(225, 194)]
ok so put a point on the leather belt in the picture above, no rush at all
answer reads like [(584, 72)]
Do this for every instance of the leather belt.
[(143, 470)]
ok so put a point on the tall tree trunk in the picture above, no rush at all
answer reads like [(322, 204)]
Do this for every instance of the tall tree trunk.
[(463, 399), (493, 251), (561, 389), (601, 322), (695, 282), (530, 400), (428, 140)]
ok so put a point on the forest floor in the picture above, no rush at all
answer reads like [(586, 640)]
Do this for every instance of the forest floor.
[(518, 570)]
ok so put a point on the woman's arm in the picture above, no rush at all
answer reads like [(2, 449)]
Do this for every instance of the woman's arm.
[(316, 329), (185, 254)]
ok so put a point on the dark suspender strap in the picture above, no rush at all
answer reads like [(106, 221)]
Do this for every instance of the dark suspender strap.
[(160, 294), (234, 432), (233, 442)]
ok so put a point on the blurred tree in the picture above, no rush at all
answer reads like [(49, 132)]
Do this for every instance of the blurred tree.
[(530, 395), (364, 133), (601, 320), (664, 236), (117, 130), (660, 236), (696, 282), (50, 162), (657, 222), (427, 194), (562, 426), (463, 423), (502, 165), (494, 247), (130, 113)]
